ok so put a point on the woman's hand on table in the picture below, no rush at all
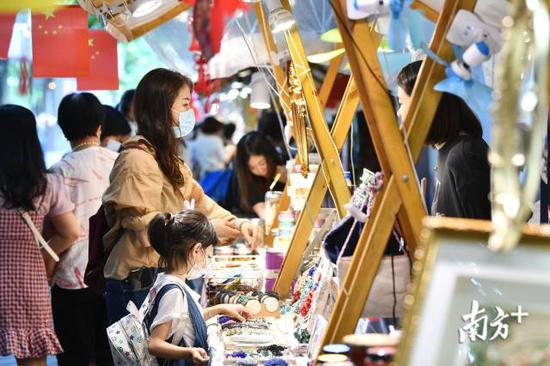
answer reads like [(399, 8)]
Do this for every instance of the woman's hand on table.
[(252, 233)]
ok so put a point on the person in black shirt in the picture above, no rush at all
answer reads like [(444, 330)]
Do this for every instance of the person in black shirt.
[(257, 165), (463, 170)]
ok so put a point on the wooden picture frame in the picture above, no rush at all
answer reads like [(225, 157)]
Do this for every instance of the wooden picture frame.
[(454, 267)]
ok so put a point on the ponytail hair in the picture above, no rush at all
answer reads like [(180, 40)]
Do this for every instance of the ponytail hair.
[(173, 236)]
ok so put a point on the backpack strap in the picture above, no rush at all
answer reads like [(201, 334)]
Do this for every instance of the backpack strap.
[(195, 315)]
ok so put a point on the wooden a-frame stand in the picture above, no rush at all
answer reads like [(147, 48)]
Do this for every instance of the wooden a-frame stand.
[(330, 175), (400, 195), (281, 82), (385, 133)]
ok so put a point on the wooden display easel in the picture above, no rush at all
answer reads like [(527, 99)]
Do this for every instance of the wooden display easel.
[(331, 166), (330, 159), (399, 163), (304, 225), (400, 195), (280, 79)]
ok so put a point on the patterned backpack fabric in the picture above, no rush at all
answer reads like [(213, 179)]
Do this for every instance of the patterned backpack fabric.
[(129, 336)]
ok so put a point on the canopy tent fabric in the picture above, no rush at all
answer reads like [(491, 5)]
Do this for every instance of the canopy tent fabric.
[(171, 42), (243, 33)]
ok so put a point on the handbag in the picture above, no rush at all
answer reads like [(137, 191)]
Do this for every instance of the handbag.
[(393, 276), (97, 253)]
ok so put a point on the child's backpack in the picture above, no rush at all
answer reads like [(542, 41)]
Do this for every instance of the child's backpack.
[(129, 337)]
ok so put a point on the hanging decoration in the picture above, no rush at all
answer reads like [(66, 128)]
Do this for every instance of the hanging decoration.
[(6, 28), (24, 76), (393, 17), (298, 105), (398, 28), (209, 23), (202, 85), (201, 28), (103, 63), (459, 80), (522, 95), (64, 31), (464, 76)]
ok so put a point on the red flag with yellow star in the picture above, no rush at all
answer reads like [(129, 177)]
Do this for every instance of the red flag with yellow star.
[(6, 28), (103, 63), (60, 43)]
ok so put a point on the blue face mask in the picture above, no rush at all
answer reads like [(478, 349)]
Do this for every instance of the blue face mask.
[(186, 123)]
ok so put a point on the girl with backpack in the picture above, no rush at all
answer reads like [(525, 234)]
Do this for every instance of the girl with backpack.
[(175, 322)]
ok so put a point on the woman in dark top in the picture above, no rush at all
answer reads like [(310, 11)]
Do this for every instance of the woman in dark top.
[(257, 165), (463, 171)]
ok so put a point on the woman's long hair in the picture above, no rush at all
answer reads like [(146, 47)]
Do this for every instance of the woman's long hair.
[(22, 168), (255, 143), (452, 116), (153, 101)]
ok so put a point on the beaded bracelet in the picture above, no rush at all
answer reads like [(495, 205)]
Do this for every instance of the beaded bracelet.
[(247, 362), (276, 362), (242, 300), (238, 354), (248, 325), (273, 349)]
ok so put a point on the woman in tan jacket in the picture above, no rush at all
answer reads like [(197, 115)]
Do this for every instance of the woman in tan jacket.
[(148, 178)]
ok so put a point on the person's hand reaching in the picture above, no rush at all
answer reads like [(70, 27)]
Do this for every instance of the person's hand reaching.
[(252, 234), (235, 311)]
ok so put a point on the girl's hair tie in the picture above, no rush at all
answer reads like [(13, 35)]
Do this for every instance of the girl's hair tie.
[(169, 219)]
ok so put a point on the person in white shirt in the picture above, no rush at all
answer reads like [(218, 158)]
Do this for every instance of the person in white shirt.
[(174, 318), (207, 150), (79, 314)]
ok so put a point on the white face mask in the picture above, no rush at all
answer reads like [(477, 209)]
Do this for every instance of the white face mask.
[(198, 271), (114, 145), (186, 123)]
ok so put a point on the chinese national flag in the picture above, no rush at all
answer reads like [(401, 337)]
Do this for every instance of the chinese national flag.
[(60, 43), (6, 28), (103, 63)]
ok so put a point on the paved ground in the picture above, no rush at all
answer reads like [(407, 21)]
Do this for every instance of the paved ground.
[(10, 361)]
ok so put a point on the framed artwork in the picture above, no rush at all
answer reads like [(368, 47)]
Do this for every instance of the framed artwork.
[(471, 306)]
